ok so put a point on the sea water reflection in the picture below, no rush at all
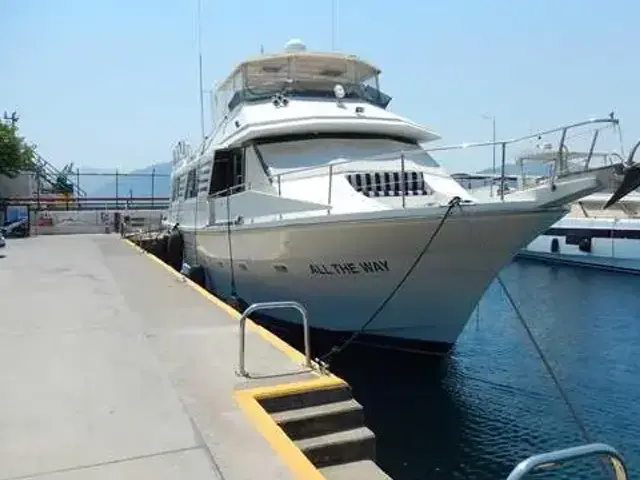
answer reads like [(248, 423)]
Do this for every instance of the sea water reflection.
[(492, 404)]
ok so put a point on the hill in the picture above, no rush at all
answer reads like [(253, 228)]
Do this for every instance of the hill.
[(137, 183)]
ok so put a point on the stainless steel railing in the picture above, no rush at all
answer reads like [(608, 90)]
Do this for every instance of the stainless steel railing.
[(273, 306), (338, 167), (557, 458)]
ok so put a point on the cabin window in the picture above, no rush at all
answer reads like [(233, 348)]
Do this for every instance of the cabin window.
[(228, 172), (385, 184), (378, 182), (414, 181), (296, 151), (575, 239), (191, 189)]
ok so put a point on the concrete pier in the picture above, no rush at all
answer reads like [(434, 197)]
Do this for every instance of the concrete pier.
[(113, 367)]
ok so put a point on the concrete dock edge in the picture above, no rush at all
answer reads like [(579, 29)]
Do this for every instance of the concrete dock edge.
[(249, 398)]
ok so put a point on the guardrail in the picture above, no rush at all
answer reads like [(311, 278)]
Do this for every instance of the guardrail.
[(555, 459), (273, 306)]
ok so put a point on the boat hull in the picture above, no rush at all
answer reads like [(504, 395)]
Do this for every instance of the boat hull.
[(342, 271), (610, 264), (611, 244)]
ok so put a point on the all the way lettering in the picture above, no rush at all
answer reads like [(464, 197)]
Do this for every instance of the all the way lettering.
[(375, 266), (349, 268)]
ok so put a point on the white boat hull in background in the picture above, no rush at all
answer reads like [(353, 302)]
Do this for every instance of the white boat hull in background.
[(341, 271), (614, 244)]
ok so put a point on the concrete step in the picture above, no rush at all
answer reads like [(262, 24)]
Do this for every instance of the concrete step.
[(362, 469), (320, 419), (306, 399), (339, 447)]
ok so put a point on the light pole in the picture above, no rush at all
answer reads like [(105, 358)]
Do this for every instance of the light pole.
[(334, 21), (493, 147)]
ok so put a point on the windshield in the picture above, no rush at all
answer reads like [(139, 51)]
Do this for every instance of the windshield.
[(310, 89), (303, 75), (307, 152)]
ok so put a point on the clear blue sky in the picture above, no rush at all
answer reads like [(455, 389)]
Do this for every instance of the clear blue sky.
[(114, 83)]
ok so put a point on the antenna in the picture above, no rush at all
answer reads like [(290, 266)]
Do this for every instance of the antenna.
[(200, 70), (334, 21)]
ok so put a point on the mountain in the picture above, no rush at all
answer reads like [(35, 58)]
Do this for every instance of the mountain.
[(91, 179), (137, 183)]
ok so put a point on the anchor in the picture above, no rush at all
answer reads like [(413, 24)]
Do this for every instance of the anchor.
[(631, 179)]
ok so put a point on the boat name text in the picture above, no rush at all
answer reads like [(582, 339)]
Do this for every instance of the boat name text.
[(349, 268)]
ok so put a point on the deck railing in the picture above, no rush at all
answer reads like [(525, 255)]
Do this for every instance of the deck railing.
[(560, 161)]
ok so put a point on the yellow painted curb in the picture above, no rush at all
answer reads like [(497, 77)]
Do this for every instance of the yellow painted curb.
[(298, 463), (248, 400), (274, 340), (319, 383)]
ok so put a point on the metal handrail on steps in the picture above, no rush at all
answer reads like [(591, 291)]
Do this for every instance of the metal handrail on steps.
[(273, 306), (551, 460)]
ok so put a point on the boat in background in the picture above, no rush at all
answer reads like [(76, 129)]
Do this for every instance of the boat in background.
[(592, 237), (589, 235), (309, 189)]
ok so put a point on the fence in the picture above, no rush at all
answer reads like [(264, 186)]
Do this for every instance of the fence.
[(77, 190), (97, 221)]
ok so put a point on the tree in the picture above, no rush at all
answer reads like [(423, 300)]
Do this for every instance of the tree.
[(15, 154)]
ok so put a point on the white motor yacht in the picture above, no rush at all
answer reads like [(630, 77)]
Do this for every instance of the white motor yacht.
[(309, 189)]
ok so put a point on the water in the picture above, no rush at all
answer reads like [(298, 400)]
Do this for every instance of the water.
[(491, 404)]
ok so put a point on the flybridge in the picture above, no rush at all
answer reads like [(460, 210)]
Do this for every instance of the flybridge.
[(298, 72)]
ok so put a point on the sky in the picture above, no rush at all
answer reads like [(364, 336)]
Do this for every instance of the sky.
[(114, 84)]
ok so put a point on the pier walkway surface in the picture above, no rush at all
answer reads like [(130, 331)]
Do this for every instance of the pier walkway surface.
[(112, 367)]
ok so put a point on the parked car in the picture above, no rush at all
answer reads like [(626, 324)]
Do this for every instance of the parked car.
[(15, 229), (3, 242)]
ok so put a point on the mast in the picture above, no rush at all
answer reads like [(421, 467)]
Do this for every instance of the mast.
[(200, 70)]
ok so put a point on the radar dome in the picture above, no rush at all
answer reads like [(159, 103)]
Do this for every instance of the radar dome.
[(295, 45)]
